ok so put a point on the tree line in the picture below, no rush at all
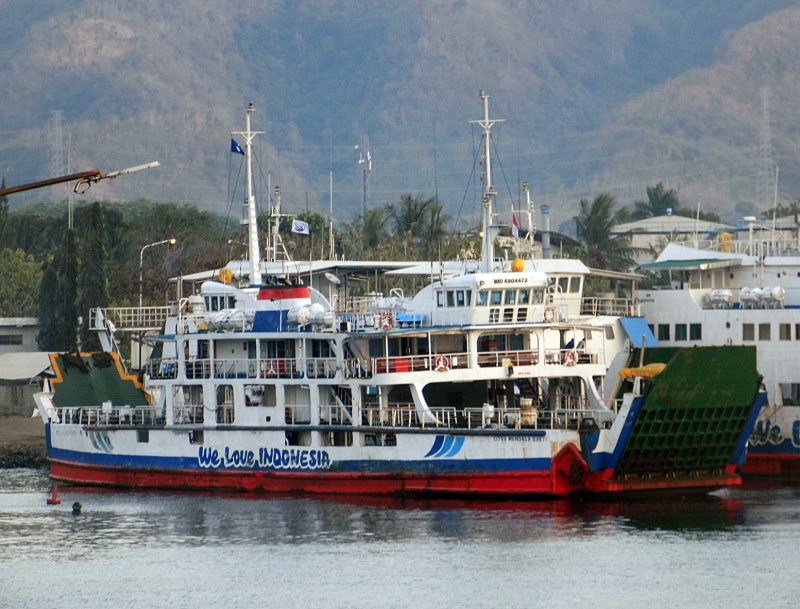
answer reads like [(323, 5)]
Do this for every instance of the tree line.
[(59, 273)]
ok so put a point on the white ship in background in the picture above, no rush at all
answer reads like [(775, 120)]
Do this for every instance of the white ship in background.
[(741, 289)]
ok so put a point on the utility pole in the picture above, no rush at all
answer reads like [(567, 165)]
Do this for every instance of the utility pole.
[(365, 159), (766, 173), (55, 140)]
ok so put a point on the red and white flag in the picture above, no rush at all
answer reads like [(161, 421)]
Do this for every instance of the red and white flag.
[(514, 225)]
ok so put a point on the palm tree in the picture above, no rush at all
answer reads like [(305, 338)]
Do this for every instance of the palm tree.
[(372, 224), (408, 215), (435, 228), (659, 200), (599, 247)]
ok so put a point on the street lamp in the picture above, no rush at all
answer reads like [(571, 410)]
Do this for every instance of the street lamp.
[(170, 241)]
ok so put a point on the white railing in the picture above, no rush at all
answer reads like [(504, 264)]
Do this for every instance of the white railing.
[(131, 319), (108, 415), (620, 307)]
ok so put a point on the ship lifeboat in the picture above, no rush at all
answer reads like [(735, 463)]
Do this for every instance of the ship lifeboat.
[(750, 297), (720, 299), (773, 297)]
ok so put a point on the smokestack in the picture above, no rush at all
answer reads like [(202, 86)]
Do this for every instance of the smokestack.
[(546, 232)]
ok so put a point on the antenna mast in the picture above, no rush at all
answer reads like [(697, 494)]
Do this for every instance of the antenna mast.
[(489, 230), (250, 203)]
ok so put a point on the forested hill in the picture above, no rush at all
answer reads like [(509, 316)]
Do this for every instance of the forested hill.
[(597, 97)]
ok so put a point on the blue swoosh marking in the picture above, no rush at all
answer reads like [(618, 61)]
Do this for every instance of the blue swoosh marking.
[(448, 443), (457, 444), (437, 444)]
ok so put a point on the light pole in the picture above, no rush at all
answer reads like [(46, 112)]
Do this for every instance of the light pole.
[(171, 241)]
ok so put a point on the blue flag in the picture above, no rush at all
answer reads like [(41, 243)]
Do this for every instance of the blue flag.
[(236, 147)]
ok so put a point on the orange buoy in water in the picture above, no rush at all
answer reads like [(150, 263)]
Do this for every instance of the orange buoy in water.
[(54, 500)]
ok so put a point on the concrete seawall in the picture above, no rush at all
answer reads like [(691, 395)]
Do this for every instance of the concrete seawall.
[(22, 442)]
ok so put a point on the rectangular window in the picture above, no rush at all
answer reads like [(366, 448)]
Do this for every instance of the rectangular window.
[(790, 394), (460, 299), (10, 339), (482, 298), (451, 301), (440, 299), (680, 331), (785, 331), (320, 348), (537, 295), (524, 297), (764, 332), (748, 332), (563, 284), (575, 285), (663, 331), (695, 332), (511, 296), (497, 297)]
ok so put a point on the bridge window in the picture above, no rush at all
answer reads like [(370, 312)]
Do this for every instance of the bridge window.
[(511, 297), (537, 295), (451, 300), (575, 285), (439, 299), (482, 298), (680, 331), (524, 297), (497, 297), (320, 348), (563, 284)]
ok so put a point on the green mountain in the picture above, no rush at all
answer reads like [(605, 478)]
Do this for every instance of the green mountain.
[(597, 97)]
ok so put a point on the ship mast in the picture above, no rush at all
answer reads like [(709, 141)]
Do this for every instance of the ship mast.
[(489, 230), (252, 228)]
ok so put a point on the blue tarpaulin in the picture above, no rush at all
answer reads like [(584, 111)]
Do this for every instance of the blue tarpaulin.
[(636, 328)]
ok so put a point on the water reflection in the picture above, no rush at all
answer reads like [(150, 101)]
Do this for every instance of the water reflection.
[(112, 519)]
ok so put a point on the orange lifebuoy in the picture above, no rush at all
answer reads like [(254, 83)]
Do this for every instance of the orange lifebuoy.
[(570, 357), (549, 315), (441, 363), (387, 321)]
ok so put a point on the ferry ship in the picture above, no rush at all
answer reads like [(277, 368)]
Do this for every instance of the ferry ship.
[(741, 288), (501, 380)]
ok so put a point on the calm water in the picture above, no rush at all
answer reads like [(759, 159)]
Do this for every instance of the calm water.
[(735, 548)]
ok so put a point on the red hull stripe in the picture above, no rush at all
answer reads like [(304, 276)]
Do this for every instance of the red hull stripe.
[(541, 483), (524, 483), (283, 293), (772, 464)]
